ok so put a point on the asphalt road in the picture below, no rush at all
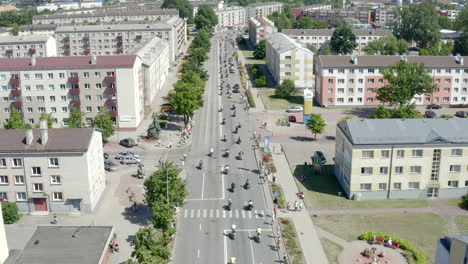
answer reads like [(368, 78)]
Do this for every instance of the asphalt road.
[(204, 221)]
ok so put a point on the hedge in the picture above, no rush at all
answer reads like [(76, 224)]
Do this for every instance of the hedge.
[(250, 99), (416, 258)]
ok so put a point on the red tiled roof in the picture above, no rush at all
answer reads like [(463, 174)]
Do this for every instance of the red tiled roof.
[(67, 62)]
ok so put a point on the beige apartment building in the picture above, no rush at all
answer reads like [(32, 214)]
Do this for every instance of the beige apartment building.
[(116, 39), (287, 59), (231, 16), (402, 158), (55, 84), (37, 29), (452, 249), (52, 170), (263, 9), (27, 46), (316, 38), (260, 28)]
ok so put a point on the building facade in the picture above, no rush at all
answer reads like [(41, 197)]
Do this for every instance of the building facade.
[(55, 84), (287, 59), (402, 158), (263, 9), (52, 170), (316, 38), (231, 16), (27, 46), (38, 29), (329, 15), (452, 249), (354, 80), (383, 14), (4, 252), (260, 28)]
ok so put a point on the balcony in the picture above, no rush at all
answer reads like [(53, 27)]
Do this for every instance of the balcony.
[(86, 38), (74, 80), (110, 90), (15, 81), (109, 79), (32, 50), (66, 39), (9, 51), (119, 44), (15, 92), (86, 44), (113, 114), (16, 104), (75, 91), (111, 102), (119, 38), (76, 103), (119, 50)]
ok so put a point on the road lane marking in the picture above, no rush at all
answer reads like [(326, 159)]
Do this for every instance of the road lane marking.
[(204, 213), (224, 214), (200, 227), (256, 215), (198, 254), (225, 248), (250, 215), (243, 214), (237, 213), (230, 214), (222, 186), (203, 185), (185, 213), (251, 250), (192, 213), (211, 213), (217, 213), (198, 213)]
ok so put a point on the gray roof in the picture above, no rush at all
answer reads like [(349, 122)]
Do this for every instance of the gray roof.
[(405, 131), (282, 43), (450, 35), (23, 39), (38, 26), (337, 61), (56, 244), (264, 4), (329, 32), (137, 12), (461, 237), (59, 139)]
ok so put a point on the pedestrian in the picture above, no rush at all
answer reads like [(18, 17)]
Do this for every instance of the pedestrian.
[(170, 144), (301, 205), (288, 206), (274, 178), (185, 156), (278, 243), (273, 217), (296, 205), (285, 257), (274, 209)]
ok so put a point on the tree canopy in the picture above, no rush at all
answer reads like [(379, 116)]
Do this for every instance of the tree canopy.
[(285, 89), (309, 23), (260, 50), (15, 121), (185, 100), (184, 7), (387, 46), (461, 44), (75, 118), (461, 23), (343, 41), (104, 122), (439, 49), (206, 17), (149, 248), (316, 124)]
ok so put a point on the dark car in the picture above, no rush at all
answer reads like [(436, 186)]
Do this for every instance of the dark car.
[(461, 114), (430, 114), (128, 142), (106, 156), (434, 106), (319, 157), (110, 166), (236, 90)]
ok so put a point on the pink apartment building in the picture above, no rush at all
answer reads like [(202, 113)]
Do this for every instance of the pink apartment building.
[(260, 28), (354, 80)]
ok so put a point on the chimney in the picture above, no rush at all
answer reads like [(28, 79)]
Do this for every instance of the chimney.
[(94, 59), (33, 60), (354, 60), (404, 58), (29, 136), (459, 59), (44, 133)]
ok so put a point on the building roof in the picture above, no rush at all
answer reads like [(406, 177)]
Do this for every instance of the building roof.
[(264, 4), (450, 34), (329, 32), (115, 61), (405, 131), (261, 21), (337, 61), (137, 12), (67, 244), (38, 26), (116, 27), (59, 139), (24, 39), (281, 43)]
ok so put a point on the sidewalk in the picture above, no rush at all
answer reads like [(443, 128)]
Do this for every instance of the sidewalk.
[(307, 234)]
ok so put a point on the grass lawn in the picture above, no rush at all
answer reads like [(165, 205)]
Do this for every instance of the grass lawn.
[(321, 192), (453, 202), (421, 230), (249, 58), (461, 222), (332, 250), (273, 103)]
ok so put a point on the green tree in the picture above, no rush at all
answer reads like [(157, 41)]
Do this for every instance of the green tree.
[(162, 213), (154, 128), (461, 23), (444, 22), (48, 118), (15, 121), (165, 182), (149, 248), (283, 20), (75, 118), (464, 202), (14, 29), (185, 101), (184, 7), (404, 81), (285, 89), (387, 46), (104, 122), (381, 113), (316, 124), (194, 79), (206, 17), (439, 49), (406, 111), (309, 23), (261, 81), (198, 55), (260, 50), (10, 212), (461, 44), (193, 67), (201, 40), (343, 41), (338, 23), (419, 23), (446, 116)]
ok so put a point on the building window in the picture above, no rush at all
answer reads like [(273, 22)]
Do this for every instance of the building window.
[(53, 162), (415, 169), (36, 171), (57, 196), (367, 154), (4, 196), (19, 179), (399, 170), (340, 90), (385, 154), (383, 170), (17, 163), (20, 196), (370, 80), (330, 80), (457, 152), (416, 153), (50, 76), (340, 80), (366, 170), (397, 185), (287, 65), (382, 186), (37, 187), (4, 180), (453, 184), (38, 76), (330, 90), (287, 73), (2, 163), (55, 179), (454, 168), (400, 154), (413, 185), (366, 186)]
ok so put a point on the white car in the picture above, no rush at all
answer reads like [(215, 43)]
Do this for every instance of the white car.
[(295, 109), (130, 160), (126, 154)]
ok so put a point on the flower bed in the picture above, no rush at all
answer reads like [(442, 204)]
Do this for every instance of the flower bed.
[(280, 201), (250, 99), (291, 241)]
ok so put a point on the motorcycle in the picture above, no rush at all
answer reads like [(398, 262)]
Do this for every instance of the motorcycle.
[(233, 234), (247, 185), (226, 153), (224, 121), (239, 141), (200, 165)]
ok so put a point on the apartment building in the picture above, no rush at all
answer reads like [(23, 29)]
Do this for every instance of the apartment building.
[(4, 252), (354, 80), (107, 16), (263, 9), (383, 14), (260, 28), (302, 11), (452, 249), (316, 38), (402, 158), (231, 16), (27, 46), (329, 15), (55, 84), (52, 170), (287, 59), (37, 29), (119, 38)]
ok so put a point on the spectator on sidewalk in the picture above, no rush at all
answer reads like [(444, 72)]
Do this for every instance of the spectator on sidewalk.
[(170, 144), (296, 205), (288, 206), (301, 205)]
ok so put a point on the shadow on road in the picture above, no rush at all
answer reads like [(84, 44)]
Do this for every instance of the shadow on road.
[(360, 112), (301, 138)]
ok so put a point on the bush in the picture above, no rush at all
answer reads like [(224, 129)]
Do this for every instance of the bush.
[(280, 198), (464, 202), (250, 99), (10, 212), (261, 82), (163, 123), (162, 117)]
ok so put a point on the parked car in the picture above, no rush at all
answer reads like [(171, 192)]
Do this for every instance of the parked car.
[(110, 166), (319, 155), (292, 118), (236, 86), (461, 114), (295, 109), (130, 160), (128, 142), (434, 106), (236, 90), (106, 156), (430, 114), (126, 154)]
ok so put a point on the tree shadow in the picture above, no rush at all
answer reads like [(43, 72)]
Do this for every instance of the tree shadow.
[(140, 216), (300, 138), (361, 112), (323, 182)]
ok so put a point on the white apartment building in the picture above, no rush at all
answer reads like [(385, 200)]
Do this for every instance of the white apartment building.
[(27, 46), (4, 252), (354, 80), (52, 170), (263, 9), (260, 28), (119, 38), (316, 38), (55, 84), (38, 29), (287, 59), (231, 16), (402, 158)]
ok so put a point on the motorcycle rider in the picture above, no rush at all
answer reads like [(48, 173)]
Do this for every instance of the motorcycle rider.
[(233, 186), (250, 205), (259, 232), (211, 152), (233, 230), (200, 164), (247, 184), (239, 140), (225, 137)]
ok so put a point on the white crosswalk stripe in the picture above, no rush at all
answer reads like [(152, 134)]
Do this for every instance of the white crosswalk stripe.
[(237, 213), (217, 213), (204, 213), (185, 213), (198, 213), (211, 213), (255, 213), (243, 213), (192, 213), (224, 214), (250, 215)]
